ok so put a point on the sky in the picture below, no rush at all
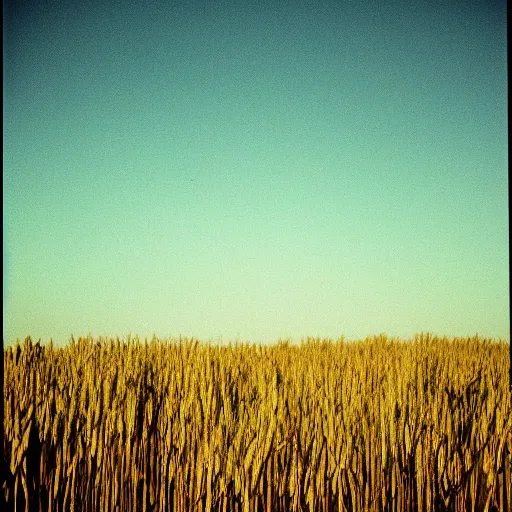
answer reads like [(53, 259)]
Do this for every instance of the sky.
[(255, 171)]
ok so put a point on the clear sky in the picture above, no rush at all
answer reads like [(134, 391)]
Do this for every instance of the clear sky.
[(255, 171)]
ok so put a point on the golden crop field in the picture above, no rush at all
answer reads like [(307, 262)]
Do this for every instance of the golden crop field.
[(376, 425)]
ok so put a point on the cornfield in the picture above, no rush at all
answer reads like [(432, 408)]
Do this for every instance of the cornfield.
[(376, 425)]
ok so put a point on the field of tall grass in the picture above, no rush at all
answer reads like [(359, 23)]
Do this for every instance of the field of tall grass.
[(376, 425)]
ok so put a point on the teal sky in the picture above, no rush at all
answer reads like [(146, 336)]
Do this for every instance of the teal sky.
[(255, 170)]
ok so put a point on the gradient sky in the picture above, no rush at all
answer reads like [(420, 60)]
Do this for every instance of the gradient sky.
[(255, 171)]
